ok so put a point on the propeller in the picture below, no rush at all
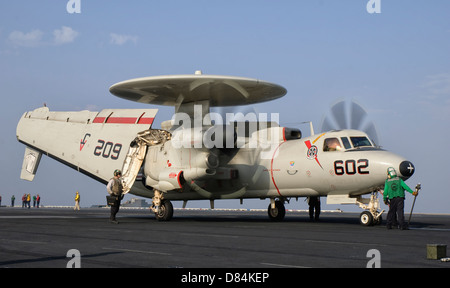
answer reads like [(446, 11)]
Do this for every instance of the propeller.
[(345, 114)]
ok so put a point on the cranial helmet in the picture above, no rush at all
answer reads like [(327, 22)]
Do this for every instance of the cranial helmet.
[(117, 172), (391, 172)]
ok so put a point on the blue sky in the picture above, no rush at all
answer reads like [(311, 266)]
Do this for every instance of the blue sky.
[(396, 64)]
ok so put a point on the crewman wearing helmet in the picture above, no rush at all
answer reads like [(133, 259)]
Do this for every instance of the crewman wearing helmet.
[(115, 189), (394, 196)]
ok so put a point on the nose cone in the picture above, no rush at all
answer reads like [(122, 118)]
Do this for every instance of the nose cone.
[(406, 169)]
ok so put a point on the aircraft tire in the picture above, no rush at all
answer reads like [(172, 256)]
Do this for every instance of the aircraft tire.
[(278, 213), (165, 211), (366, 218)]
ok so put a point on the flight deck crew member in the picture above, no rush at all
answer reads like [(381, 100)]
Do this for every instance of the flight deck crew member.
[(394, 195), (115, 188), (77, 201), (314, 208)]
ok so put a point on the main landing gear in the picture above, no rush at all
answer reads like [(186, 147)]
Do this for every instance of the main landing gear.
[(165, 211), (162, 208), (276, 210)]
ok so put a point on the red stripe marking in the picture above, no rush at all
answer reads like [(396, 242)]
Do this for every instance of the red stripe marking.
[(146, 121), (99, 119), (271, 169), (123, 120)]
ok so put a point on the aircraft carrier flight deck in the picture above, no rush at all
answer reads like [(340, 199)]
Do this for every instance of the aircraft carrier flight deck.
[(52, 237)]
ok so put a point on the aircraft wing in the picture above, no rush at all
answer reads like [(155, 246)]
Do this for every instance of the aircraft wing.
[(94, 143)]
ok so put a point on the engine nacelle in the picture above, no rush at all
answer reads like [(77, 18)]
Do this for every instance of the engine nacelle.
[(172, 179), (169, 179), (198, 173), (167, 168), (291, 134)]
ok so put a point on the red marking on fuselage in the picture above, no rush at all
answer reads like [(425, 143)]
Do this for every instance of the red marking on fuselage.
[(309, 145)]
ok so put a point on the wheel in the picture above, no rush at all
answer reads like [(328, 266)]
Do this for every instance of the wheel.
[(278, 213), (366, 218), (165, 212)]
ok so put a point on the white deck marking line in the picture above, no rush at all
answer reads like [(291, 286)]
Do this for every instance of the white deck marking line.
[(345, 243), (209, 235), (429, 229), (135, 251), (284, 265), (37, 217), (24, 241)]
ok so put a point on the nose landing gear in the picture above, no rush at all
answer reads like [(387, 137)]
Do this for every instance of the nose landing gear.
[(371, 216)]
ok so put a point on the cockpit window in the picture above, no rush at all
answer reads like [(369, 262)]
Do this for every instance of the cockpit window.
[(360, 142), (347, 144), (331, 144)]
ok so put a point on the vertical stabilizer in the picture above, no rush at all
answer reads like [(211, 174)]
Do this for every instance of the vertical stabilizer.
[(30, 164)]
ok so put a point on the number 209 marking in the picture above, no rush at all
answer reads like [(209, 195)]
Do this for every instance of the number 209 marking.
[(108, 150), (351, 167)]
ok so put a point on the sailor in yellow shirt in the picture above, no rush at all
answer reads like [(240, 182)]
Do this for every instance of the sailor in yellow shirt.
[(28, 200), (77, 201)]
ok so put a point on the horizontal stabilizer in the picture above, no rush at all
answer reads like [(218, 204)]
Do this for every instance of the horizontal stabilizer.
[(30, 164)]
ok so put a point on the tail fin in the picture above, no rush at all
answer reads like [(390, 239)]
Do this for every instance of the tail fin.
[(30, 164)]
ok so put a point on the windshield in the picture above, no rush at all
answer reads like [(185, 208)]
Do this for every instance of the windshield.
[(360, 142), (331, 144)]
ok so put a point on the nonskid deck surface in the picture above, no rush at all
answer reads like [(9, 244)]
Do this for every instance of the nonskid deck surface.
[(211, 239)]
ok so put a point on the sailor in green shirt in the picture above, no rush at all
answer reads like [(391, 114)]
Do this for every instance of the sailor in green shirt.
[(394, 196)]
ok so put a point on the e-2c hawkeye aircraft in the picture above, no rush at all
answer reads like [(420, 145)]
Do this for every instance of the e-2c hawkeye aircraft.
[(199, 155)]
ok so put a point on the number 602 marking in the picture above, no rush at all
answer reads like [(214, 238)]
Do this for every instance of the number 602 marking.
[(351, 167)]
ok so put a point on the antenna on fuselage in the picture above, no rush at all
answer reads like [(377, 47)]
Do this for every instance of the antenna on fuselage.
[(311, 127)]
